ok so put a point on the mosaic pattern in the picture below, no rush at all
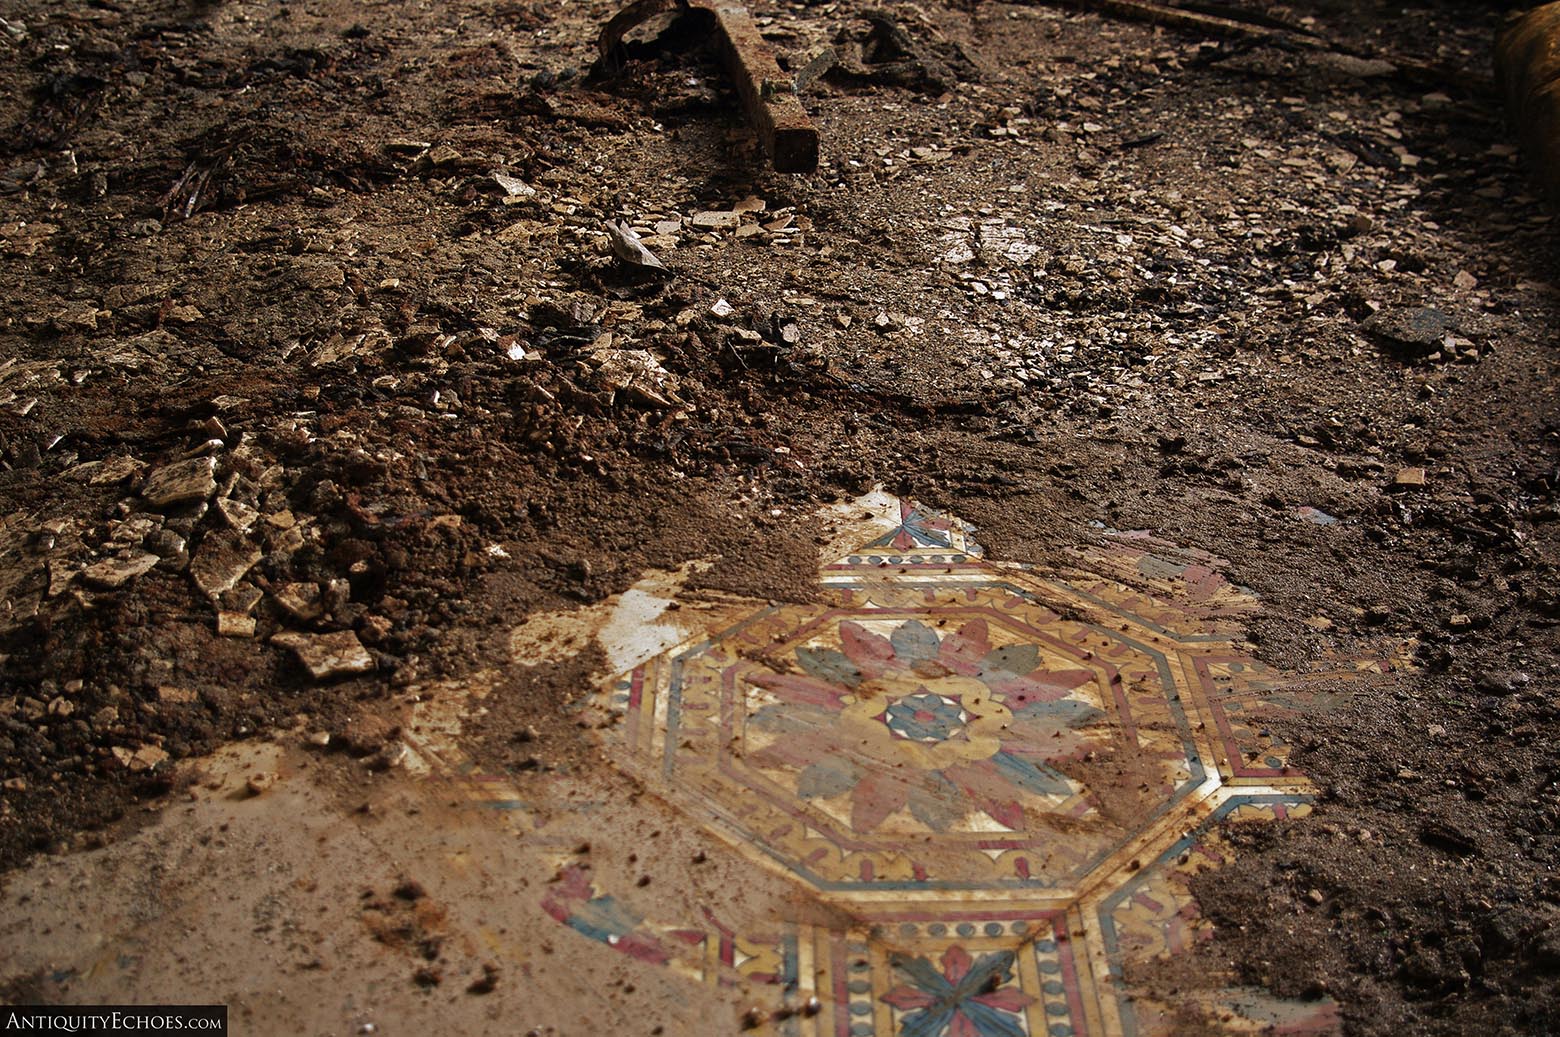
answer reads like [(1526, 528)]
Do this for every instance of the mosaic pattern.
[(909, 739), (1005, 779)]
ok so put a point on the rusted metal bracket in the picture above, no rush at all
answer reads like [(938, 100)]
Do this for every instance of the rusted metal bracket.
[(768, 94)]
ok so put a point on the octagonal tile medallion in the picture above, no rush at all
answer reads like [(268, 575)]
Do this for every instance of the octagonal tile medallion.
[(1002, 779)]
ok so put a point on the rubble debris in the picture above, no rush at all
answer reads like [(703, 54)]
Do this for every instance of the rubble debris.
[(195, 479), (814, 66), (327, 655), (890, 56), (302, 601), (767, 93), (512, 186), (715, 220), (231, 624), (106, 472), (115, 572), (627, 247), (636, 372), (239, 516), (222, 559), (147, 757)]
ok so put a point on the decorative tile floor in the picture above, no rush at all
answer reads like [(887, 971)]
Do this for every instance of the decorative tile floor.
[(1002, 779)]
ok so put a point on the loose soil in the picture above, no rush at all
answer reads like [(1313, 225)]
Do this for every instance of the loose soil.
[(1286, 305)]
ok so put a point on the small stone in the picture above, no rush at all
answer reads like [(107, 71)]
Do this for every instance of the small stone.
[(1410, 477), (327, 655), (1466, 281), (752, 203), (173, 693), (392, 754), (1315, 896), (485, 983), (722, 308), (1460, 621), (235, 624), (195, 479), (260, 783), (512, 187), (115, 572), (16, 784), (319, 739), (374, 629)]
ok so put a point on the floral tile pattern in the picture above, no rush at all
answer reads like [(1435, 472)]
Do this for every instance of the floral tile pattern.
[(1002, 779)]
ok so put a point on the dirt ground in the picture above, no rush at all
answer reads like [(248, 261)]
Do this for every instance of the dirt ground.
[(282, 354)]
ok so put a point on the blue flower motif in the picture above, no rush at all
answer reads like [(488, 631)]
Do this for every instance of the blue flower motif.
[(925, 718)]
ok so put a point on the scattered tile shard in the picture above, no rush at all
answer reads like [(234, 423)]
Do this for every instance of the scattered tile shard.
[(627, 247), (106, 472), (512, 187), (115, 572), (327, 655), (221, 561), (235, 624), (195, 479), (238, 515), (301, 600), (146, 758), (714, 220)]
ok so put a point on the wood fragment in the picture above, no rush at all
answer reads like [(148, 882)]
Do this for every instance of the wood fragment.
[(1235, 24)]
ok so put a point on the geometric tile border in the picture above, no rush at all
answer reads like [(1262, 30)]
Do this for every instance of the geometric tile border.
[(1005, 778)]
